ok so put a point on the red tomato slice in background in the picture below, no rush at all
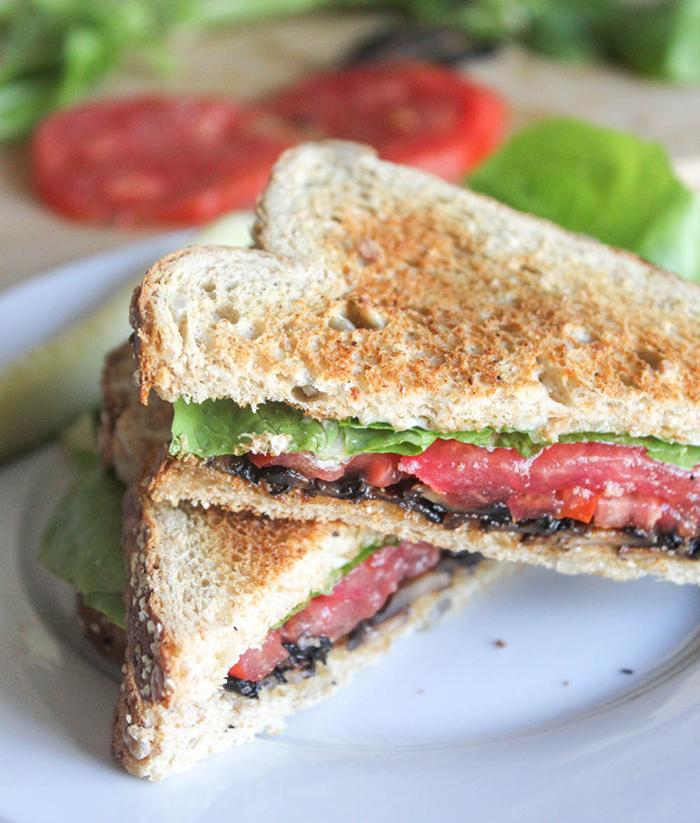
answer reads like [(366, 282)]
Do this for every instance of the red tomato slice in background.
[(413, 113), (182, 161), (147, 160)]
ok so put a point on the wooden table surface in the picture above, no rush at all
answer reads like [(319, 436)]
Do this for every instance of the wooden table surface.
[(250, 60)]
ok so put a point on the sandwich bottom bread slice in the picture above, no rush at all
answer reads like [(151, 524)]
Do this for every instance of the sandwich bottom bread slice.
[(560, 545), (211, 660)]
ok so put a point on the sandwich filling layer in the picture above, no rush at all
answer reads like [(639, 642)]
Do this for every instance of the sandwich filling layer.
[(378, 588), (566, 486), (506, 480)]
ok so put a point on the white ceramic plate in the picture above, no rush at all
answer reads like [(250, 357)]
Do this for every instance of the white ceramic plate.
[(545, 728)]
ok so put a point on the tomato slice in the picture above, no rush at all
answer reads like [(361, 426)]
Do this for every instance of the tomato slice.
[(145, 160), (182, 161), (413, 113), (258, 663), (376, 469), (362, 592), (358, 596)]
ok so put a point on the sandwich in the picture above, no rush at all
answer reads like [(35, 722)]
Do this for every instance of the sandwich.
[(409, 356), (234, 621)]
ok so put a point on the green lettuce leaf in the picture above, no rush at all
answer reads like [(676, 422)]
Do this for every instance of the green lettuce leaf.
[(660, 40), (523, 443), (218, 427), (111, 605), (380, 438), (604, 183), (82, 543), (364, 553)]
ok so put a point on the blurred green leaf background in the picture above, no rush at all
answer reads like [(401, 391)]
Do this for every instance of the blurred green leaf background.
[(53, 53)]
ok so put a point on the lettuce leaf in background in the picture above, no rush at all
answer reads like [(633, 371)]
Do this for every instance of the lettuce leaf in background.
[(660, 40), (598, 181), (82, 543), (567, 29)]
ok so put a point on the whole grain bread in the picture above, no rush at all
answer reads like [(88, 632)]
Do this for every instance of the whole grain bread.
[(388, 295), (131, 436), (605, 552), (204, 586)]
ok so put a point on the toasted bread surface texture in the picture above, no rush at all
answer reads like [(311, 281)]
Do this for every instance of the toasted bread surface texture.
[(388, 295), (204, 586)]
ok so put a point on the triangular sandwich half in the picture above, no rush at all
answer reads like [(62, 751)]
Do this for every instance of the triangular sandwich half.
[(207, 586), (235, 621), (414, 357)]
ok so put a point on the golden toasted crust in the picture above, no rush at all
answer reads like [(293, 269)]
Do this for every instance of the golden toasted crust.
[(206, 585), (605, 552), (397, 297)]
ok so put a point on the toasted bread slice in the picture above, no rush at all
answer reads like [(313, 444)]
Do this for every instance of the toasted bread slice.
[(204, 586), (131, 436), (606, 552), (393, 296)]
